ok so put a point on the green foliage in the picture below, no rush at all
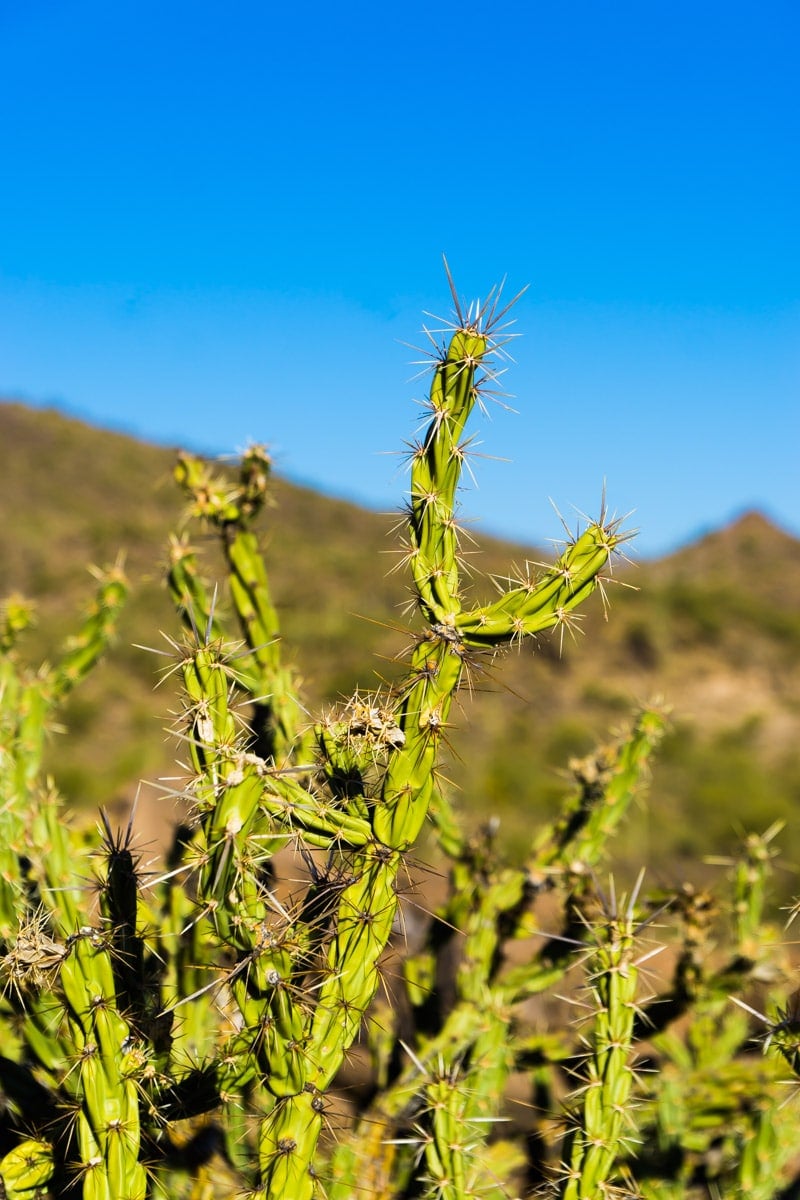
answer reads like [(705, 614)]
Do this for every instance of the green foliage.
[(190, 1033)]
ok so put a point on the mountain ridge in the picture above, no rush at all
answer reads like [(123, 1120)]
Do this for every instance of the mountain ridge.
[(746, 516)]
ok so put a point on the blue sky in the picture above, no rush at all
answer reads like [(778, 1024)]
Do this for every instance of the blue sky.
[(219, 223)]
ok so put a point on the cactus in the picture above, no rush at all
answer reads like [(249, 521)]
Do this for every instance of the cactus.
[(599, 1128), (186, 1033)]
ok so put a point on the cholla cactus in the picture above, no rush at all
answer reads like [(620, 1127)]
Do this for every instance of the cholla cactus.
[(182, 1035)]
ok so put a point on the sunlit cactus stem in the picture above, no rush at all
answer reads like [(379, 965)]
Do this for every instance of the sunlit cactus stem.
[(604, 1123), (231, 510), (28, 702), (436, 471)]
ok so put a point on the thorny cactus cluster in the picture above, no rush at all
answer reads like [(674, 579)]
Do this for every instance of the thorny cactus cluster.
[(194, 1032)]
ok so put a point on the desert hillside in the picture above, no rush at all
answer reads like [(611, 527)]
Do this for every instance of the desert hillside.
[(714, 630)]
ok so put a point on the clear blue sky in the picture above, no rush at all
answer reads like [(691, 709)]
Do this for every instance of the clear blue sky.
[(218, 222)]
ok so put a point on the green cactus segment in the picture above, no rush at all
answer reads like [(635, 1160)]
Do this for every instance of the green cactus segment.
[(608, 782), (17, 614), (296, 811), (227, 791), (62, 886), (28, 700), (230, 508), (364, 921), (26, 1170), (604, 1123), (408, 788), (287, 1144), (751, 877), (527, 609), (763, 1158), (460, 1114), (107, 1120), (464, 1103), (190, 596), (82, 652), (250, 593), (536, 605), (448, 1149), (435, 475)]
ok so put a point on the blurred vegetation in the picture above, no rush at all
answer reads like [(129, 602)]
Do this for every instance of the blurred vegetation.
[(713, 630)]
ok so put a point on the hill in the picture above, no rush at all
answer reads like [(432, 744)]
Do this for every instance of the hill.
[(714, 629)]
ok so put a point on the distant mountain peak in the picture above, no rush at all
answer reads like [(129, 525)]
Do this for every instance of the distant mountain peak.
[(753, 521)]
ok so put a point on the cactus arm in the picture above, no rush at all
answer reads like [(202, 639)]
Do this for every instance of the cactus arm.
[(106, 1098), (607, 783), (27, 703), (190, 596), (83, 651), (230, 508), (539, 605), (603, 1124)]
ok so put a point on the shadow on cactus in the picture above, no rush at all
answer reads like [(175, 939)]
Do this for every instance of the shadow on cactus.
[(266, 1016)]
